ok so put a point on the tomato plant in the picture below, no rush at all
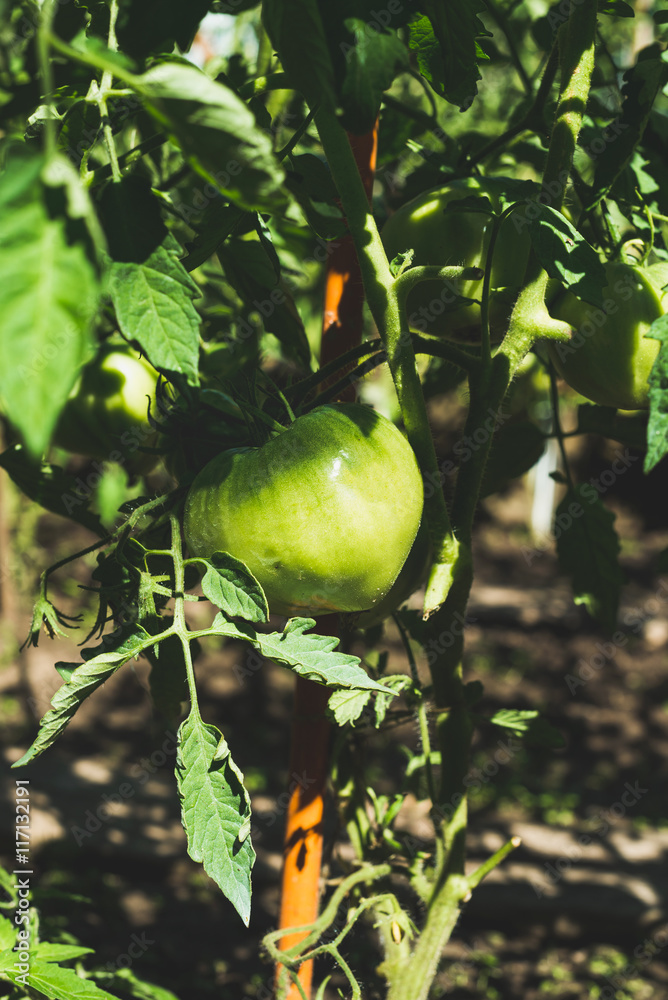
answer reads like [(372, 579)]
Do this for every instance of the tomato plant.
[(198, 212), (439, 232), (608, 359), (106, 415), (324, 514)]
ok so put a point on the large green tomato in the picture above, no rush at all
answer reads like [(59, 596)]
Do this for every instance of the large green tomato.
[(324, 514), (608, 360), (105, 416), (445, 238)]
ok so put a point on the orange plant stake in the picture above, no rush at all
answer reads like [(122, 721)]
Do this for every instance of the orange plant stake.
[(302, 853)]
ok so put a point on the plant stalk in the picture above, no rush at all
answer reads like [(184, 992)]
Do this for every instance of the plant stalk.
[(488, 389), (383, 302)]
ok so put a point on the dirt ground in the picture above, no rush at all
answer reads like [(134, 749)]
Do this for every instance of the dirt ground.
[(580, 909)]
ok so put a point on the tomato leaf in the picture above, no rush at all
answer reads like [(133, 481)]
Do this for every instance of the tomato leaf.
[(310, 182), (54, 982), (230, 585), (131, 218), (657, 430), (100, 663), (565, 253), (216, 811), (216, 132), (642, 83), (219, 221), (316, 177), (348, 705), (288, 23), (52, 488), (444, 40), (372, 58), (154, 307), (311, 656), (148, 26), (48, 294), (250, 269), (587, 548)]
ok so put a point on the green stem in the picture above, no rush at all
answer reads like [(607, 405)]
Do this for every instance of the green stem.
[(576, 58), (417, 975), (44, 59), (486, 286), (141, 149), (294, 956), (423, 721), (406, 281), (103, 93), (425, 343), (179, 626), (476, 877), (529, 321)]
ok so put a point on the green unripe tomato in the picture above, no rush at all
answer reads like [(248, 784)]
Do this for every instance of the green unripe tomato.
[(460, 238), (324, 514), (105, 416), (608, 360)]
